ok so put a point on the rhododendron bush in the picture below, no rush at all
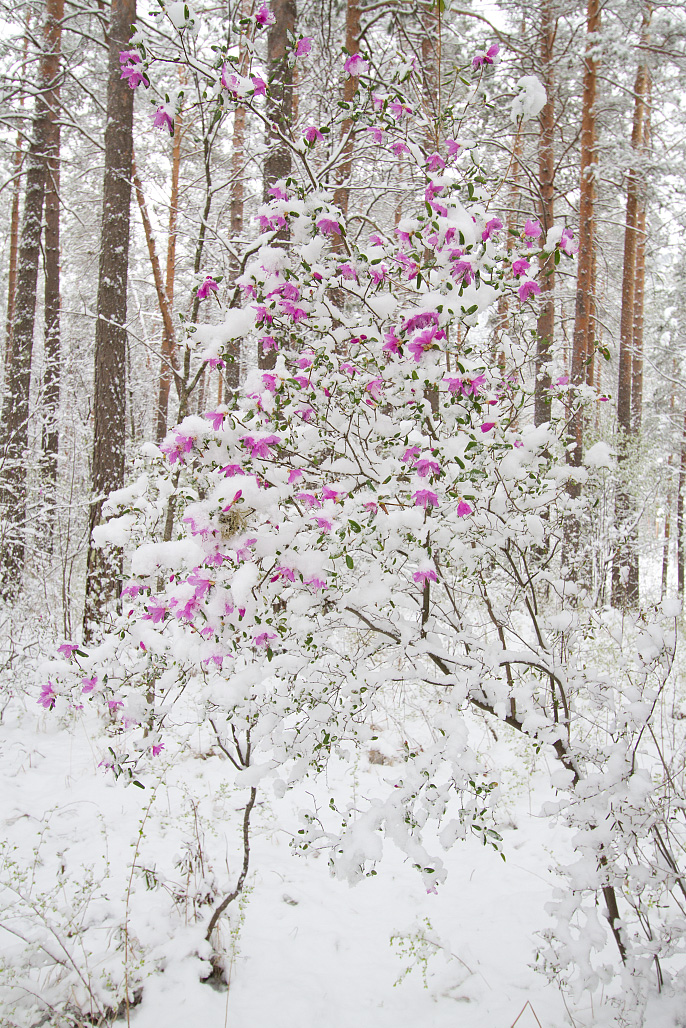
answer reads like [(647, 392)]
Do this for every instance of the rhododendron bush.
[(376, 511)]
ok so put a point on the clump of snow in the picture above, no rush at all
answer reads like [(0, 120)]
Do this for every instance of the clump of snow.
[(531, 98), (599, 456)]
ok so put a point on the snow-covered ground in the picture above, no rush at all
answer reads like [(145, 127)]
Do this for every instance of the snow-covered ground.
[(305, 949)]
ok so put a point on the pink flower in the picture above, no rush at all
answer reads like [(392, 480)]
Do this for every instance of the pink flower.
[(331, 494), (371, 506), (377, 133), (316, 583), (375, 389), (532, 229), (435, 162), (487, 426), (303, 46), (269, 382), (486, 58), (231, 470), (356, 66), (260, 447), (162, 119), (463, 509), (325, 524), (452, 147), (398, 109), (391, 342), (260, 86), (278, 193), (283, 572), (229, 81), (157, 749), (378, 273), (179, 445), (410, 454), (131, 590), (462, 272), (302, 380), (89, 684), (215, 362), (425, 498), (422, 320), (421, 577), (425, 467), (329, 226), (67, 649), (264, 17), (134, 76), (293, 475), (520, 267), (308, 499), (262, 315), (528, 289), (269, 343), (399, 148), (208, 286), (216, 417), (494, 225), (47, 696), (566, 244), (129, 57), (296, 313), (201, 584), (454, 384), (563, 380), (347, 271), (263, 638), (312, 134), (116, 704)]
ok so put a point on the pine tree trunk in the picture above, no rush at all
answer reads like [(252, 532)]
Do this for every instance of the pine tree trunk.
[(352, 45), (639, 288), (680, 514), (51, 249), (15, 411), (168, 359), (109, 436), (545, 327), (277, 164), (625, 564)]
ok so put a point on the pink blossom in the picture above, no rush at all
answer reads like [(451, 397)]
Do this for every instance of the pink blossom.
[(155, 613), (278, 193), (325, 524), (487, 426), (201, 584), (410, 454), (264, 17), (89, 684), (216, 417), (47, 696), (462, 272), (532, 229), (215, 362), (486, 58), (371, 506), (115, 704), (375, 389), (312, 134), (356, 66), (329, 226), (435, 162), (129, 57), (391, 342), (306, 413), (262, 315), (377, 133), (67, 649), (269, 382), (424, 576), (157, 749), (230, 470), (263, 638), (452, 147), (528, 289), (376, 240), (378, 273), (162, 119), (260, 447), (260, 86), (302, 380), (566, 244), (293, 475), (296, 313), (494, 225), (425, 498), (308, 499), (471, 386), (520, 267), (316, 583), (305, 361), (283, 572), (425, 467), (454, 384), (131, 590), (399, 148), (463, 509), (268, 343), (332, 494), (208, 286), (422, 320), (398, 109), (563, 380), (133, 75), (303, 46), (347, 271), (179, 445)]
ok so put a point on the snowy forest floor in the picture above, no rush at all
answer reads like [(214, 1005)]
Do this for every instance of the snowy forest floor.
[(304, 949)]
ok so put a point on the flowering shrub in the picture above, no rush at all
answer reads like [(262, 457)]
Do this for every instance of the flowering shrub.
[(376, 510)]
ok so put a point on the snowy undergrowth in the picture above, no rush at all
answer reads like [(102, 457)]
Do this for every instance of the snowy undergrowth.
[(106, 886)]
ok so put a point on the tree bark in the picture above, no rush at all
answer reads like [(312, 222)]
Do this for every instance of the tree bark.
[(51, 249), (168, 359), (350, 87), (545, 326), (109, 437), (625, 563), (15, 410)]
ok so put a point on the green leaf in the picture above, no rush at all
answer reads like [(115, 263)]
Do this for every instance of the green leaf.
[(349, 561)]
